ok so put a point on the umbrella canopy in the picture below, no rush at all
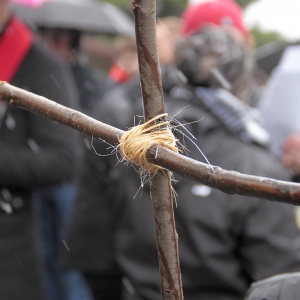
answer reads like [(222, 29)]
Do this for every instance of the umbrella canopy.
[(83, 15), (29, 2)]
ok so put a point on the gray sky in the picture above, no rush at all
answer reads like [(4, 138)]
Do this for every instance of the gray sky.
[(280, 15)]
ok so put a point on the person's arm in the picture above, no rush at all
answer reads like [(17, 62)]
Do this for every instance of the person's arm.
[(39, 151), (291, 154)]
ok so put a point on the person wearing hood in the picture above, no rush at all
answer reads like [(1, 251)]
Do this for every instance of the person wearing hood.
[(225, 241), (35, 152)]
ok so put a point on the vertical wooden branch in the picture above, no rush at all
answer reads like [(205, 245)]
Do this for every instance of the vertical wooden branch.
[(161, 189)]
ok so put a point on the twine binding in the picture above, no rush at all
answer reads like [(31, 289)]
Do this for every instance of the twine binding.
[(135, 142)]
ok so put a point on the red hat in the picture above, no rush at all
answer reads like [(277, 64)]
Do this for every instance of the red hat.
[(212, 12)]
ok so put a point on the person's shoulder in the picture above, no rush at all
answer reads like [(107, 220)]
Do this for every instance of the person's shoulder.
[(42, 57), (41, 64), (44, 73)]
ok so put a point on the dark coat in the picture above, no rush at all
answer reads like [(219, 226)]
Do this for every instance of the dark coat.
[(225, 242), (34, 152), (91, 83), (92, 221)]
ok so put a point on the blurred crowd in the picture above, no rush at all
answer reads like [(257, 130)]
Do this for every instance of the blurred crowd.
[(74, 225)]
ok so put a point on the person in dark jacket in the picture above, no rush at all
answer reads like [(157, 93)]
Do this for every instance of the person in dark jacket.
[(35, 152), (91, 82), (55, 203), (225, 241), (91, 236)]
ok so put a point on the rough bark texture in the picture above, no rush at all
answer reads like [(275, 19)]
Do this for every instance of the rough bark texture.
[(145, 28), (160, 185), (59, 113), (226, 181), (229, 182)]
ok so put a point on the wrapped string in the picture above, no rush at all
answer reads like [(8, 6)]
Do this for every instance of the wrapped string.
[(135, 143)]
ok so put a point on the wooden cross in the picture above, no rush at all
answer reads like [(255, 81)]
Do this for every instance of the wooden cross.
[(226, 181)]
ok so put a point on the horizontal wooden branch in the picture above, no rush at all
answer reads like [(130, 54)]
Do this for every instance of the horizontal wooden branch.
[(229, 182)]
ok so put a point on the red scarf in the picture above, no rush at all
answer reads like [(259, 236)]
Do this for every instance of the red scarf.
[(15, 42)]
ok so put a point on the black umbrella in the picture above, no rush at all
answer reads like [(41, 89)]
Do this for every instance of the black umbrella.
[(83, 15)]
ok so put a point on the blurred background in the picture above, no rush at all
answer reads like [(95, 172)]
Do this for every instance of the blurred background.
[(274, 25), (97, 41)]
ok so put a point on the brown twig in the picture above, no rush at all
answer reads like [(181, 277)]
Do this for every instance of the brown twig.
[(160, 186), (226, 181), (229, 182), (59, 113)]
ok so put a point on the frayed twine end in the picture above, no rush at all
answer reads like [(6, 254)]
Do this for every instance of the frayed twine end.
[(135, 143)]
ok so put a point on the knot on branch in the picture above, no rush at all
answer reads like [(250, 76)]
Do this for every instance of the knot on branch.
[(135, 143)]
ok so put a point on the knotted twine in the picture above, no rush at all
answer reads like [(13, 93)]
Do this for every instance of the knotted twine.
[(135, 142)]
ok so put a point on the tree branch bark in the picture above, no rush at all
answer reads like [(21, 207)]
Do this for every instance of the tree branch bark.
[(226, 181), (160, 182), (229, 182)]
